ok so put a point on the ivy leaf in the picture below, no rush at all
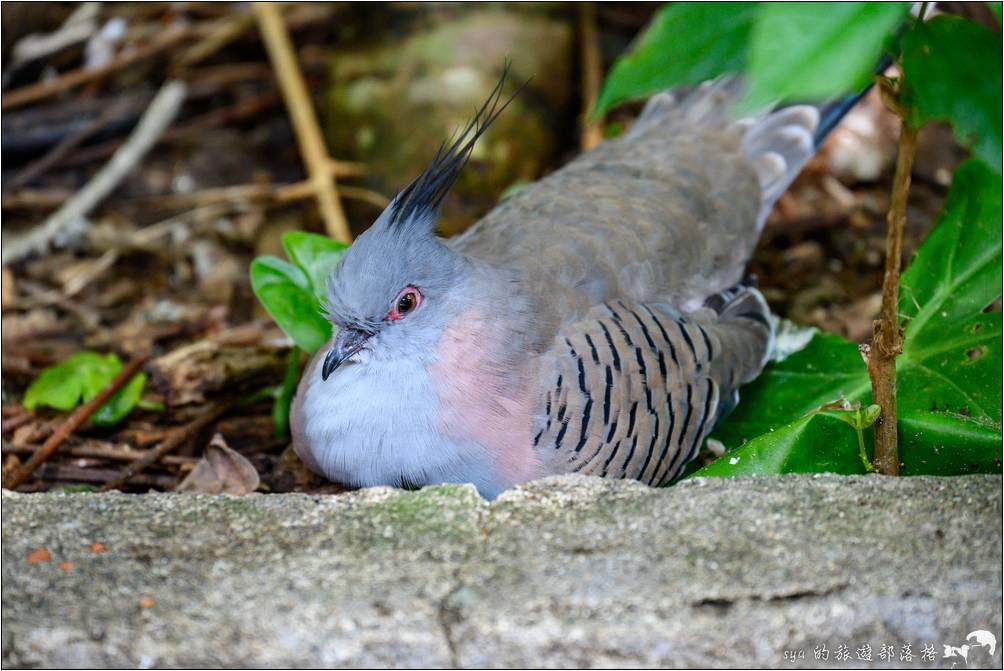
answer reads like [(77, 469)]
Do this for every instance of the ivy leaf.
[(820, 441), (78, 379), (316, 255), (948, 376), (952, 344), (286, 293), (799, 52), (952, 72), (686, 43)]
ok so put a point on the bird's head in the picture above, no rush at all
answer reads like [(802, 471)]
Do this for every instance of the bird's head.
[(397, 285)]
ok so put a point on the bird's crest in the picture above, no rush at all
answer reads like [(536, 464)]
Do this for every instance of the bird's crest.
[(425, 194)]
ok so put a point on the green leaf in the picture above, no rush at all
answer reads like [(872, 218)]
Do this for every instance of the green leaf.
[(151, 405), (948, 377), (285, 291), (78, 379), (284, 398), (78, 488), (120, 403), (952, 351), (316, 255), (820, 441), (827, 369), (952, 72), (514, 188), (62, 385), (686, 43), (806, 51)]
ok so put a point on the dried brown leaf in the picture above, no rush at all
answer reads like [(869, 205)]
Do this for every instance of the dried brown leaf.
[(221, 470)]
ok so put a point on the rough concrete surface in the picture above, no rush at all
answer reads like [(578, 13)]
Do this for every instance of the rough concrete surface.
[(568, 571)]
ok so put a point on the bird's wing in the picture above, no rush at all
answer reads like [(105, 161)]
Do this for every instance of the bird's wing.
[(632, 389), (668, 212)]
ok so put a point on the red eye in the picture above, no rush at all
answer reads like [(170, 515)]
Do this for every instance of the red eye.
[(406, 302)]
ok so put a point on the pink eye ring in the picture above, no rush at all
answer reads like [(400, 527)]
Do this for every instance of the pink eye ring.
[(407, 301)]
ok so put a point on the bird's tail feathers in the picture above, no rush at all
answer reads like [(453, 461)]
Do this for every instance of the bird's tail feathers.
[(779, 145), (707, 103)]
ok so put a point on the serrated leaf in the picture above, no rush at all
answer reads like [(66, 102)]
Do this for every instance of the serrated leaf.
[(285, 292), (952, 72), (685, 43), (949, 375), (316, 255), (806, 51), (78, 379)]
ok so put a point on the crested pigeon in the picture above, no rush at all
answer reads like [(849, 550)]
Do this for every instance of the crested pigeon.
[(595, 322)]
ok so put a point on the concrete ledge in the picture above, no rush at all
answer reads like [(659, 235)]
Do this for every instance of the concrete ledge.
[(568, 571)]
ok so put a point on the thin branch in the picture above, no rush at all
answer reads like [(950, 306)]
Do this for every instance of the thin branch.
[(155, 121), (242, 109), (887, 341), (592, 74), (36, 168), (268, 193), (173, 442), (100, 450), (72, 473), (78, 417), (222, 33), (301, 112), (69, 80)]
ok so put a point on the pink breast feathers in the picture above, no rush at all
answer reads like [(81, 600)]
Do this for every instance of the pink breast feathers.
[(484, 404)]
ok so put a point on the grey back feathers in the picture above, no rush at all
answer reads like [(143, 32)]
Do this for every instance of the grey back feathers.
[(778, 144)]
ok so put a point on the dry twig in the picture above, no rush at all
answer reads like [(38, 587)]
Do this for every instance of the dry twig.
[(592, 75), (179, 436), (268, 193), (301, 112), (72, 473), (222, 33), (36, 168), (101, 450), (887, 334), (69, 80), (155, 120)]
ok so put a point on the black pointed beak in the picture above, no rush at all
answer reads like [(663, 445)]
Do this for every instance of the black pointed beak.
[(347, 342)]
